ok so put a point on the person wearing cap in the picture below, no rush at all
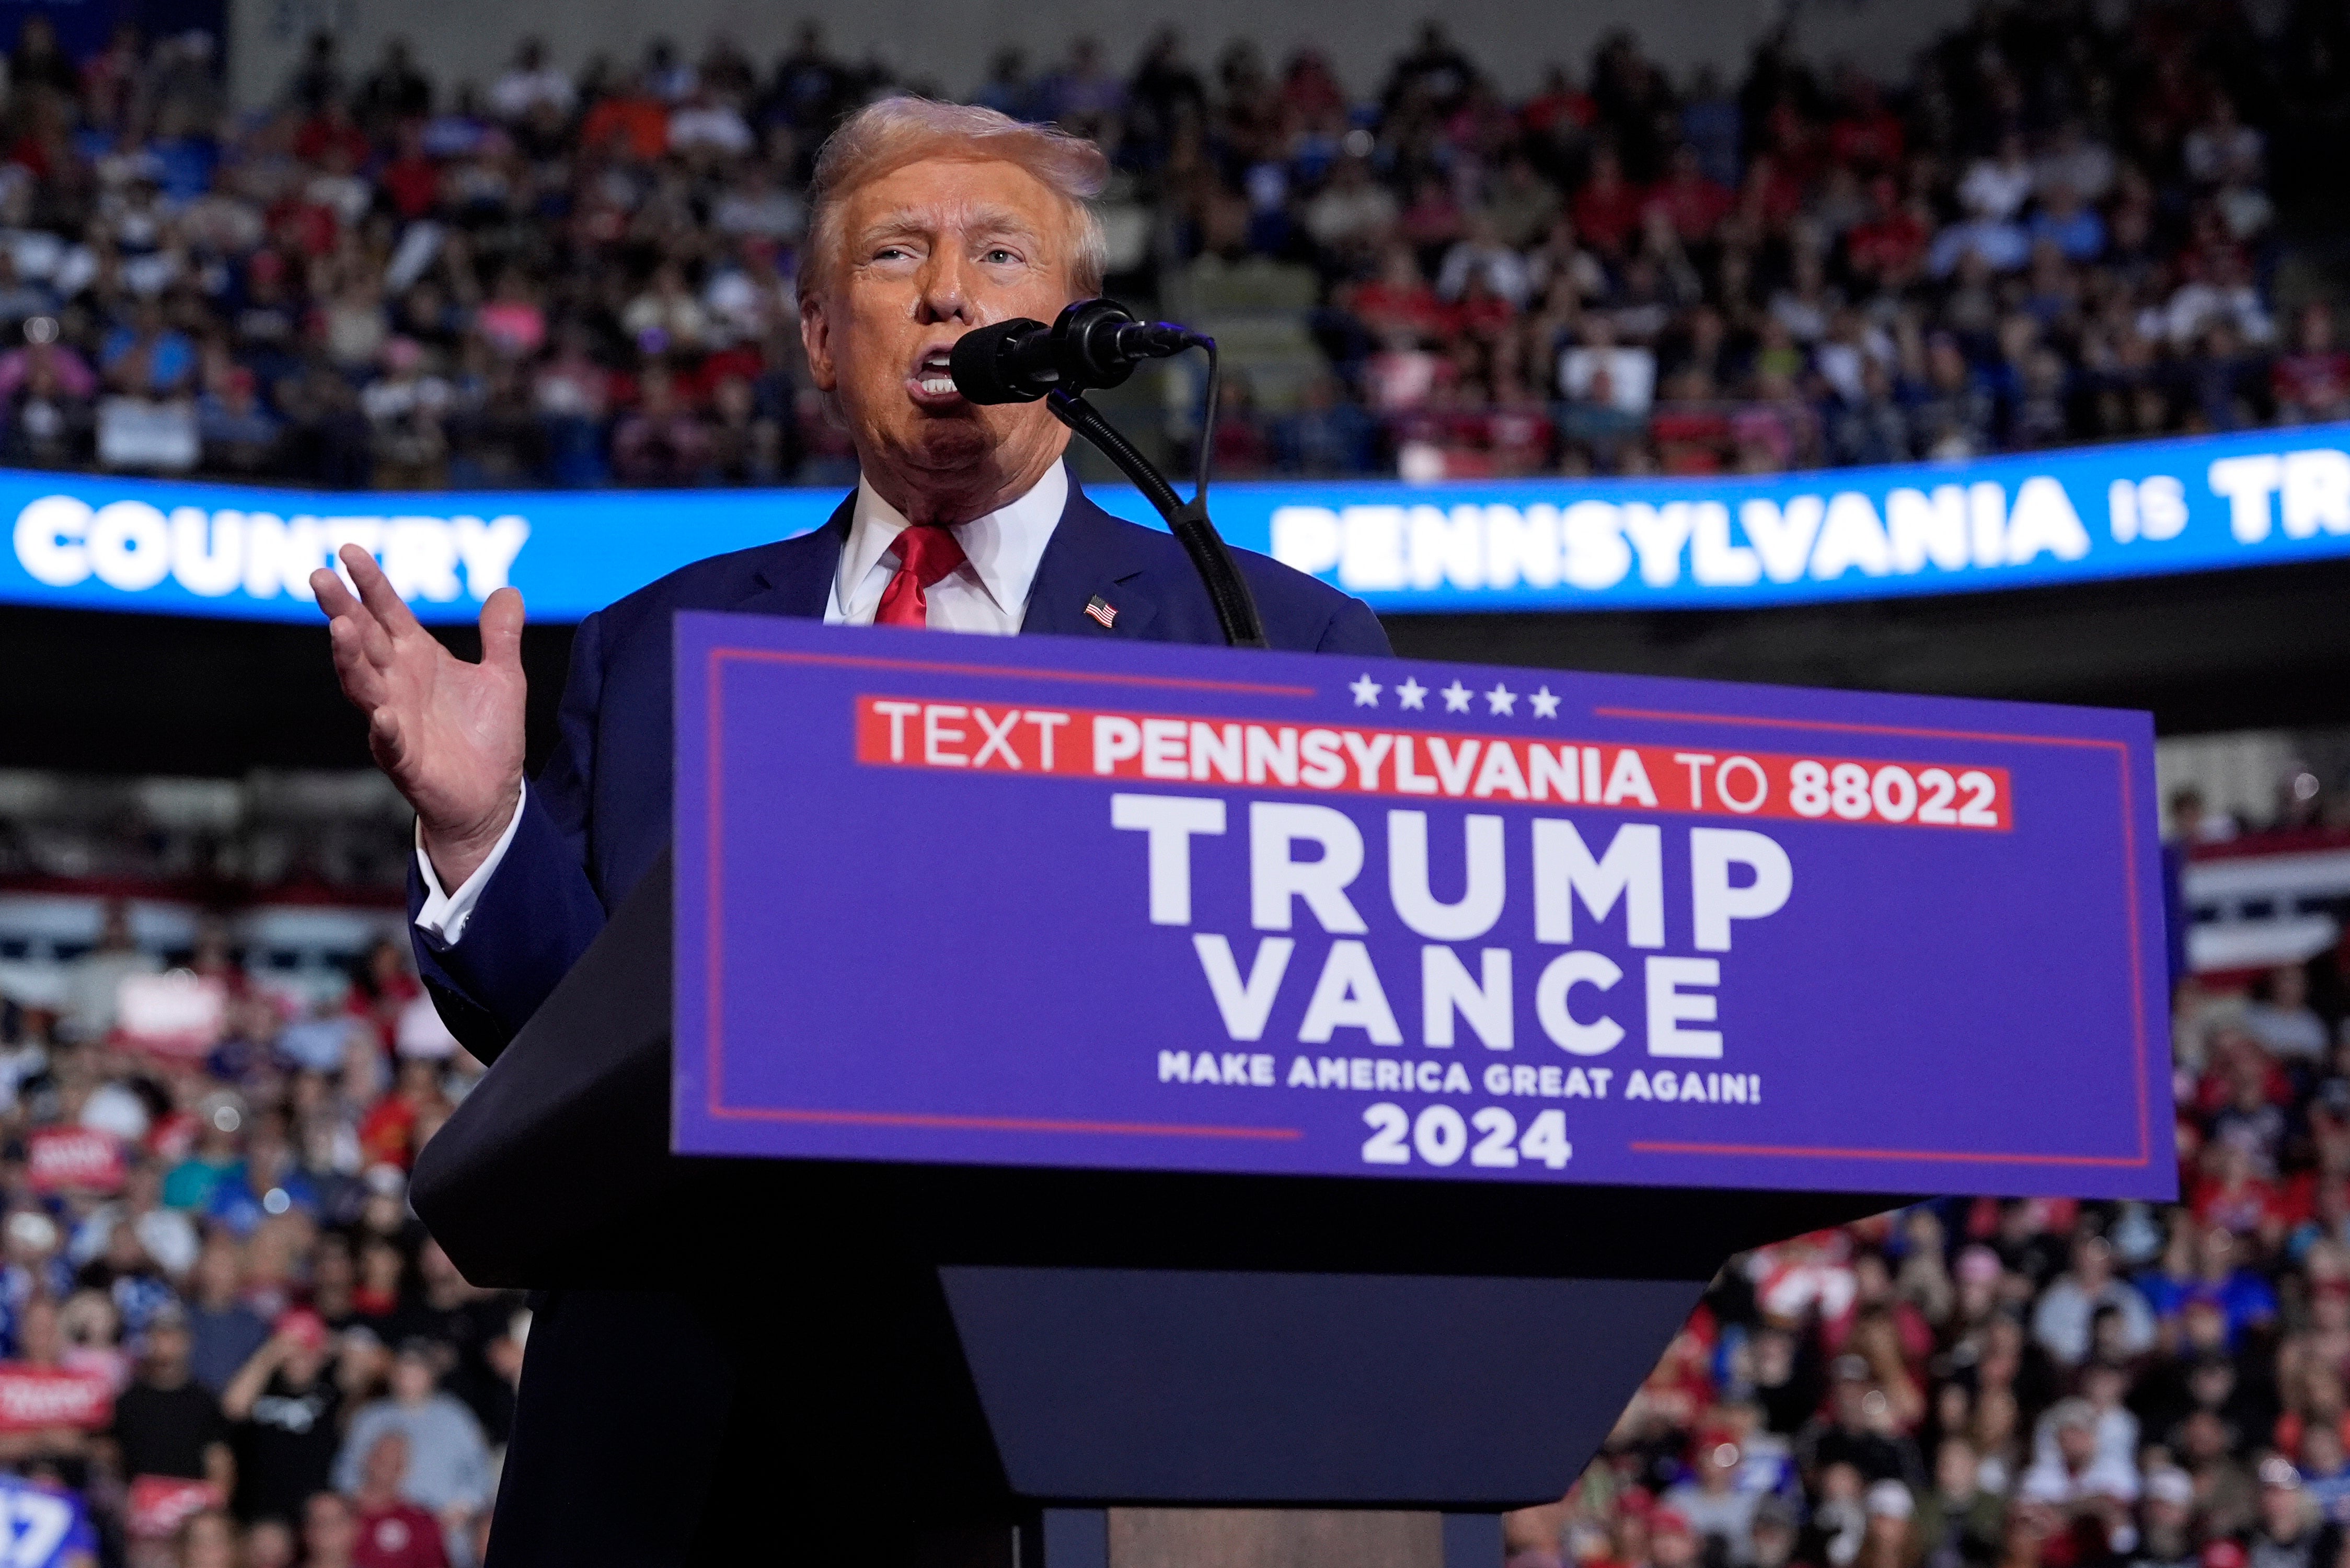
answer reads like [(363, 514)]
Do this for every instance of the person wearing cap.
[(2070, 1470), (2290, 1533), (1891, 1512), (1715, 1507), (2166, 1511), (286, 1408), (1672, 1542)]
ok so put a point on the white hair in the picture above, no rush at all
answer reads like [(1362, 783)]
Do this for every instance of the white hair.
[(885, 137)]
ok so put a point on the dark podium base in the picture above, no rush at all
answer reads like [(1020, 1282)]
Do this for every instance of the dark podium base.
[(1129, 1337)]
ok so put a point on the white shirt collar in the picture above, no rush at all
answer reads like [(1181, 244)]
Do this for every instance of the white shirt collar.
[(1001, 548)]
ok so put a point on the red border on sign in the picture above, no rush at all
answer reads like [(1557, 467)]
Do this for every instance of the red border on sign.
[(717, 1110)]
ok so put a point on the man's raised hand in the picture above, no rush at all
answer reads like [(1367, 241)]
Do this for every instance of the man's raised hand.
[(448, 733)]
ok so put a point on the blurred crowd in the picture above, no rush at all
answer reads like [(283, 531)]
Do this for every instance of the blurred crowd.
[(225, 1341), (2060, 225), (2032, 1384), (1974, 1383)]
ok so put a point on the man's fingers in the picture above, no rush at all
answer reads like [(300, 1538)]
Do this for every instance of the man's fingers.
[(358, 622), (375, 592), (332, 598), (501, 629), (361, 678)]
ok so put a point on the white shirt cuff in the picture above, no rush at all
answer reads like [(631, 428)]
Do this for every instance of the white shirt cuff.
[(444, 914)]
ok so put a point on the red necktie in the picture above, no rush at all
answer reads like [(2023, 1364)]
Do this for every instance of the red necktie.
[(926, 552)]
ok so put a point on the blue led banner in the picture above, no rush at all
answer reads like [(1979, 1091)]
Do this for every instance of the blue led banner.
[(2145, 508)]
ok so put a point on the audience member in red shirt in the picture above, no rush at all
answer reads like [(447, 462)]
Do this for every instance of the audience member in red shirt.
[(1892, 243), (1693, 202), (393, 1532), (1481, 314), (1398, 302), (2313, 382), (1433, 218), (1310, 92), (635, 121), (1772, 194), (1868, 136), (332, 129), (413, 179), (1560, 108), (1607, 209)]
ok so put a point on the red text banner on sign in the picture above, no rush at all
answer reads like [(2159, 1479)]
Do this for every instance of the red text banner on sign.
[(1079, 743)]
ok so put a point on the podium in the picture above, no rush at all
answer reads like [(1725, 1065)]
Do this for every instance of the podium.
[(1130, 1338), (1255, 1323)]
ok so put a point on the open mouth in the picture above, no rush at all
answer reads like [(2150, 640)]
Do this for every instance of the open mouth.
[(934, 376)]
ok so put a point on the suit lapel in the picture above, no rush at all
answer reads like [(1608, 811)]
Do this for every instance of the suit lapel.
[(796, 578), (1088, 558)]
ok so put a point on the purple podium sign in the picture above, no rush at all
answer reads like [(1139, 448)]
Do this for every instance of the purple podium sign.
[(1050, 901)]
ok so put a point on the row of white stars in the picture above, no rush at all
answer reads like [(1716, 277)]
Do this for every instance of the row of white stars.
[(1412, 695)]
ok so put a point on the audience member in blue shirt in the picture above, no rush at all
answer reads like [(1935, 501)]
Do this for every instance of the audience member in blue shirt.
[(2075, 229), (168, 361)]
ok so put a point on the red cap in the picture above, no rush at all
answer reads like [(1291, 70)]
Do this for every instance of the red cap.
[(303, 1325)]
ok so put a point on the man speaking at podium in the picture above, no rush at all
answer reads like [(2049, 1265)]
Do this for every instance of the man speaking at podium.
[(658, 1426)]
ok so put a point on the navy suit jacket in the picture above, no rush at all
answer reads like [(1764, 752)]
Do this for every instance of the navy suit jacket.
[(598, 816), (682, 1423)]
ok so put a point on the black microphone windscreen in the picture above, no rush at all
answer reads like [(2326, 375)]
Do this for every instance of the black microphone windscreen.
[(982, 363)]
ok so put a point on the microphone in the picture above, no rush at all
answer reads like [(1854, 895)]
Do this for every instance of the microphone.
[(1094, 343)]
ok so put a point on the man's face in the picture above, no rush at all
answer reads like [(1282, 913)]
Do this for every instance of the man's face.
[(928, 253), (2078, 1443), (387, 1462), (411, 1379), (167, 1351), (327, 1527)]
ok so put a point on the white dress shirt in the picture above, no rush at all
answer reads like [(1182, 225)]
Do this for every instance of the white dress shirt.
[(988, 593)]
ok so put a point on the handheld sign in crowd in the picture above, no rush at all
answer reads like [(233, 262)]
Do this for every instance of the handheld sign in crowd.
[(1055, 902), (75, 1159), (36, 1398)]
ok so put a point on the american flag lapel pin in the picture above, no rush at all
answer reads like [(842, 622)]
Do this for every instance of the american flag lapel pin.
[(1102, 610)]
